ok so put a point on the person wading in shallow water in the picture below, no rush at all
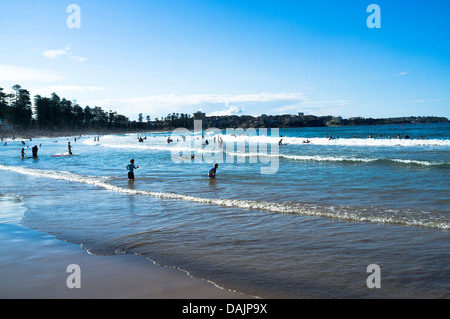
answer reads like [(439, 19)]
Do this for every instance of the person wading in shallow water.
[(212, 172), (131, 167), (35, 151)]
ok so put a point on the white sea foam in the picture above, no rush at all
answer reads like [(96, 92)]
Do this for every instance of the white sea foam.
[(130, 140), (160, 144), (347, 213), (338, 141)]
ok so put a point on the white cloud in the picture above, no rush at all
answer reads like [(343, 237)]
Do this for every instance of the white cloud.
[(163, 104), (222, 105), (22, 74), (172, 99), (55, 54), (232, 110), (198, 99)]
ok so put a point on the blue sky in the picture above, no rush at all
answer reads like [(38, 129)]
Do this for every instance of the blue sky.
[(232, 57)]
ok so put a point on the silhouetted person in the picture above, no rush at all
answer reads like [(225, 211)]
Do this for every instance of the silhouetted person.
[(35, 151)]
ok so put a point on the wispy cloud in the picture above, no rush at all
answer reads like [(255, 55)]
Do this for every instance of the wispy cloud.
[(221, 104), (402, 73), (424, 101), (67, 51), (176, 103), (321, 104), (316, 107), (54, 54), (77, 58), (62, 89), (198, 99), (22, 74)]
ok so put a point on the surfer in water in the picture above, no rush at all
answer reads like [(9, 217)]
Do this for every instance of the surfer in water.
[(70, 149), (212, 172), (131, 167)]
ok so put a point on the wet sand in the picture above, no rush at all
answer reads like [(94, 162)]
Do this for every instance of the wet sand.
[(34, 265)]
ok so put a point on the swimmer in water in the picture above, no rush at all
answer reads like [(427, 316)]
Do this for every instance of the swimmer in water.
[(188, 157)]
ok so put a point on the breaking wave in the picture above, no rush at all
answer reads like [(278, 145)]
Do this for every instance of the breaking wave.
[(321, 158)]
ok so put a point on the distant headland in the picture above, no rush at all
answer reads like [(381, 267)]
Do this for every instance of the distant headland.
[(301, 120)]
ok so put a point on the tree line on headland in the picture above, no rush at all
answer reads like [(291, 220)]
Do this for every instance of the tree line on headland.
[(55, 114)]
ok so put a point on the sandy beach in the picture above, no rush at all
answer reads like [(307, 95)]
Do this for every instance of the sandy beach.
[(33, 265)]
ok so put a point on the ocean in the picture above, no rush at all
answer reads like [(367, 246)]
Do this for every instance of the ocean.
[(292, 213)]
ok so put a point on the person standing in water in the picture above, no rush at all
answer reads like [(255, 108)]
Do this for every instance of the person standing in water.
[(35, 151), (212, 172), (70, 149), (131, 167)]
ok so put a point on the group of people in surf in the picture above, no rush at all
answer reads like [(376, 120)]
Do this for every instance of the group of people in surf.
[(35, 150), (132, 167), (390, 137), (330, 137)]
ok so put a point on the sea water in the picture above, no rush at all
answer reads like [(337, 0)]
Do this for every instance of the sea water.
[(337, 202)]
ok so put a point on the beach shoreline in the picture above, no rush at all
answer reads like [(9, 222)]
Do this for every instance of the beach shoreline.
[(39, 134), (34, 266)]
